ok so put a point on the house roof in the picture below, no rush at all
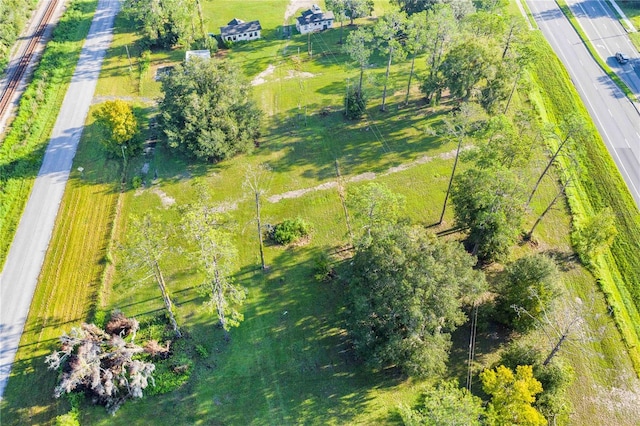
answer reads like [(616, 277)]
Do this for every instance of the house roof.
[(238, 26), (315, 14)]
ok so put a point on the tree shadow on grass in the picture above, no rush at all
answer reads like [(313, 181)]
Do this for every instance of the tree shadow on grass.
[(290, 361), (28, 397), (315, 140)]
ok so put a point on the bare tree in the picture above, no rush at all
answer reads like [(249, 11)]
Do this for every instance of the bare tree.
[(146, 247), (549, 207), (571, 128), (256, 182), (206, 226), (458, 127), (562, 326)]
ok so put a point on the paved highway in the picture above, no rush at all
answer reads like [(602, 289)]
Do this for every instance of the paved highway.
[(26, 255), (616, 117), (605, 32)]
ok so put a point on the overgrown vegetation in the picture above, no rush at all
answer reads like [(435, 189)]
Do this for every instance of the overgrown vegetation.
[(14, 15), (292, 360)]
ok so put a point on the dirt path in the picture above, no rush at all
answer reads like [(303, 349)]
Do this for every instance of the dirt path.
[(363, 176), (294, 5)]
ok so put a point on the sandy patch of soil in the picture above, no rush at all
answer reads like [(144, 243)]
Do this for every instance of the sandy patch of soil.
[(166, 200), (260, 78), (299, 74), (294, 5)]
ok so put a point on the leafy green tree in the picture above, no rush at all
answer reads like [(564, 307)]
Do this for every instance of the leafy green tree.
[(358, 9), (207, 110), (555, 378), (512, 396), (216, 255), (374, 206), (404, 298), (465, 65), (490, 202), (529, 283), (496, 88), (441, 26), (595, 234), (388, 32), (165, 23), (338, 7), (120, 126), (460, 7), (417, 31), (355, 103), (358, 47), (445, 404), (500, 144), (484, 24)]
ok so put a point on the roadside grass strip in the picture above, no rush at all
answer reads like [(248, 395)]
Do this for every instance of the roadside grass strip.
[(23, 147), (600, 185)]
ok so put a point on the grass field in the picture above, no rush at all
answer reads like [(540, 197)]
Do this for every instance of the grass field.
[(289, 361)]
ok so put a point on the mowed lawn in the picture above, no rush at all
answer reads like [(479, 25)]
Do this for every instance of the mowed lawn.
[(289, 362)]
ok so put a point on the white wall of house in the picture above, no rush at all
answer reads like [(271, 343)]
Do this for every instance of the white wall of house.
[(315, 26), (252, 35)]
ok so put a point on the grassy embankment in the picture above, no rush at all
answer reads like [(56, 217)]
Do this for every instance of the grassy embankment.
[(601, 186), (632, 10), (14, 15), (279, 368), (23, 146)]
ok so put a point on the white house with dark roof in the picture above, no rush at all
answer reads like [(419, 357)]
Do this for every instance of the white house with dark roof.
[(314, 19), (238, 30)]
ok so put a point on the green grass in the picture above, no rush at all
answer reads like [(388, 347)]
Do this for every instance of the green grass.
[(24, 142), (632, 10), (279, 368), (600, 185), (69, 284)]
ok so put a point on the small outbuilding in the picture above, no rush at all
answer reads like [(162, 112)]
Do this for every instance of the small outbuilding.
[(204, 54), (314, 19), (238, 30)]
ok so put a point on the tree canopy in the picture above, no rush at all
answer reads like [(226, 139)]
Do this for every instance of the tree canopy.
[(445, 404), (491, 203), (165, 23), (119, 126), (207, 111), (405, 296), (512, 396), (528, 288)]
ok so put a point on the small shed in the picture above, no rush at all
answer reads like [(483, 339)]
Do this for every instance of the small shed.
[(238, 30), (314, 19), (204, 54)]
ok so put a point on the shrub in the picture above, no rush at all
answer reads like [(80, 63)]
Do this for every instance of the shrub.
[(289, 231), (323, 270), (355, 103), (136, 182)]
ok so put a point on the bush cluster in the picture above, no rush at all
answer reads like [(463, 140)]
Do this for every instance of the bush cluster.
[(290, 230)]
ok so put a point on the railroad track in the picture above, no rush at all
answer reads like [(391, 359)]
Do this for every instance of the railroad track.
[(15, 75)]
